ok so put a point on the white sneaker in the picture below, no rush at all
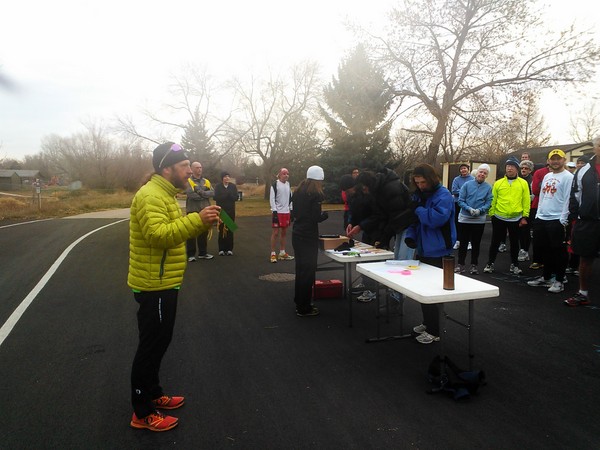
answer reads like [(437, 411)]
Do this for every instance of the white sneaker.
[(489, 268), (207, 256), (427, 338), (191, 259), (556, 287), (540, 281), (502, 248), (456, 245), (469, 247), (515, 270), (420, 329), (221, 253), (523, 255), (229, 253), (366, 296)]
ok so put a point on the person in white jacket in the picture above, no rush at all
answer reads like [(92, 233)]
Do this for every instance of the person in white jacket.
[(281, 206), (551, 219)]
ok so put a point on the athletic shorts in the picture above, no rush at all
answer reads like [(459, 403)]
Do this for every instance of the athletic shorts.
[(283, 220), (586, 238)]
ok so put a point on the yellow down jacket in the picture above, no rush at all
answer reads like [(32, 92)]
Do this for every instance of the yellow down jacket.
[(157, 235)]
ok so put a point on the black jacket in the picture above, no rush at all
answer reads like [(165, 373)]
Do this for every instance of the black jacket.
[(307, 214), (392, 213), (585, 193), (226, 197)]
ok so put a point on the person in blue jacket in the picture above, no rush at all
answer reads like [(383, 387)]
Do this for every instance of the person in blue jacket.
[(432, 236), (463, 177), (474, 202)]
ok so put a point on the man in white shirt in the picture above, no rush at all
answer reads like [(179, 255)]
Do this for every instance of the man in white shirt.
[(549, 227), (281, 206)]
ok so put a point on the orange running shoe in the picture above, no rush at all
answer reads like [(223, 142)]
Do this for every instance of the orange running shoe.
[(154, 422), (166, 402)]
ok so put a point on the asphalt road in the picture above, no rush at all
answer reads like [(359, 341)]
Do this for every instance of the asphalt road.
[(258, 377)]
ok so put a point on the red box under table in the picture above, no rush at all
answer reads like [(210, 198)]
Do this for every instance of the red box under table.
[(328, 289)]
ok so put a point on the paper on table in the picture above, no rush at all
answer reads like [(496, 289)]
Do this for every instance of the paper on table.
[(412, 264)]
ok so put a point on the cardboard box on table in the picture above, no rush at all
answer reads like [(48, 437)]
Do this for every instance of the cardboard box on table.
[(330, 243)]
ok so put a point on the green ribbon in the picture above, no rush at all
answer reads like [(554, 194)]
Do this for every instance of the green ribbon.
[(228, 221)]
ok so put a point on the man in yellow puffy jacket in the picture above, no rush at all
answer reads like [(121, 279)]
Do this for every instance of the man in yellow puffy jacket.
[(157, 260), (509, 211)]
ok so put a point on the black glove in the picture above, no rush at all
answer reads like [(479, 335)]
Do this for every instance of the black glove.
[(275, 218), (410, 243), (324, 216)]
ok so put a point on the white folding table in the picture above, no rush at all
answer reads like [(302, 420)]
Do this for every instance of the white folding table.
[(359, 253), (424, 285)]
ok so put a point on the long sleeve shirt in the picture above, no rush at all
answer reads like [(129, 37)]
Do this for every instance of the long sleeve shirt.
[(474, 195), (281, 201), (554, 197)]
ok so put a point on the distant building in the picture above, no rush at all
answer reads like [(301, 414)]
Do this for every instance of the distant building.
[(11, 179), (539, 155)]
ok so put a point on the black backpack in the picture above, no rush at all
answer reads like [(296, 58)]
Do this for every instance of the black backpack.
[(458, 383)]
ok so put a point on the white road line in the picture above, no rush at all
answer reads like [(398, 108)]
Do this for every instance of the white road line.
[(16, 315), (22, 223)]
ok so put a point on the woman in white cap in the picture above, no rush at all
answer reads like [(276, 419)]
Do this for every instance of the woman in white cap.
[(307, 214)]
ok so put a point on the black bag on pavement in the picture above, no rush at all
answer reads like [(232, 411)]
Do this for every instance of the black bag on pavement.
[(458, 383)]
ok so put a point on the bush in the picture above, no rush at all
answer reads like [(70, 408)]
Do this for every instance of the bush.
[(11, 204), (333, 194)]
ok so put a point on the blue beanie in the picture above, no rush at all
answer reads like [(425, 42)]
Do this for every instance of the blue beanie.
[(512, 162)]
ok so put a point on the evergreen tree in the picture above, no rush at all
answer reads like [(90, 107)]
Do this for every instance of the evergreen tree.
[(197, 142), (359, 102)]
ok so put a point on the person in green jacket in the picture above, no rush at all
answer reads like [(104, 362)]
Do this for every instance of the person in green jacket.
[(509, 212), (157, 260)]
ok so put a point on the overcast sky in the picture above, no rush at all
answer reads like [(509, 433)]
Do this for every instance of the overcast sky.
[(74, 60)]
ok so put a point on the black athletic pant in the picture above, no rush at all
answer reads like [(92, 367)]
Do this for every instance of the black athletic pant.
[(201, 242), (156, 319), (469, 232), (225, 239), (306, 253), (431, 312), (499, 229), (550, 237), (525, 236)]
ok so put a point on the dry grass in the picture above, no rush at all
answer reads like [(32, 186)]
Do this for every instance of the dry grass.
[(61, 202)]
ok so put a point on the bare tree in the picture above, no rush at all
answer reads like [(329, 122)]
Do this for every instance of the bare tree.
[(131, 164), (192, 115), (586, 124), (64, 156), (408, 149), (443, 52), (90, 156), (276, 116)]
